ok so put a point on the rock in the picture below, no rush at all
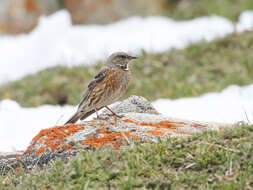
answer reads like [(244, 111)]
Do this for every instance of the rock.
[(8, 160), (141, 122), (18, 16), (106, 11), (134, 104)]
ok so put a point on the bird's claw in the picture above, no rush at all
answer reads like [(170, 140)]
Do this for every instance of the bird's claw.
[(101, 118), (116, 115)]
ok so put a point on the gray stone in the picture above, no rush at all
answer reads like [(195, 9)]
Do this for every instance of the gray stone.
[(134, 104)]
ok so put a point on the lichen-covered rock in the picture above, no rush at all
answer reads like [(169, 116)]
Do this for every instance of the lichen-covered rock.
[(141, 122)]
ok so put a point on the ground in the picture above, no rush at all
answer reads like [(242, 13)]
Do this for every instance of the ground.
[(210, 160)]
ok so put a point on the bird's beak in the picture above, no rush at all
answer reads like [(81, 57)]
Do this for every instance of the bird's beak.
[(133, 57)]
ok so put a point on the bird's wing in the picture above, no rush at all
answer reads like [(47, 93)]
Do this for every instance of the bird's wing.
[(97, 79)]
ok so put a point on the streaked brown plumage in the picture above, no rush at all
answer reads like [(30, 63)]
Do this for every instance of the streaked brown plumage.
[(106, 88)]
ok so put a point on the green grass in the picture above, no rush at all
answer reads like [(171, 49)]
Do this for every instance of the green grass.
[(188, 9), (195, 70), (212, 160)]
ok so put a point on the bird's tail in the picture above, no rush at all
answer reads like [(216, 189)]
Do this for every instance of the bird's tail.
[(87, 114), (74, 118), (79, 115)]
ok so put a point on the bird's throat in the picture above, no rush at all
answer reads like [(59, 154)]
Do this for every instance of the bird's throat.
[(124, 67)]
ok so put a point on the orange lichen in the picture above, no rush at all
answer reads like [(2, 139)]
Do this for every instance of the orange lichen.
[(148, 124), (109, 137), (198, 125), (167, 125), (128, 134), (102, 130), (130, 121), (52, 137), (17, 157), (161, 124), (63, 147), (68, 147), (40, 151), (29, 149), (180, 122), (93, 123), (100, 124), (156, 132), (112, 123)]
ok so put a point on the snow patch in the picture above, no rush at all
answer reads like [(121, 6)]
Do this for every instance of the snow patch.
[(231, 105), (18, 125), (245, 21)]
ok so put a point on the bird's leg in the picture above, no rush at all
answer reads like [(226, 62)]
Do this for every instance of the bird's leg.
[(98, 117), (96, 112), (113, 113)]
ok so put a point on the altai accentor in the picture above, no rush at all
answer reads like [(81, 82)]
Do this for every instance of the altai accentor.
[(106, 88)]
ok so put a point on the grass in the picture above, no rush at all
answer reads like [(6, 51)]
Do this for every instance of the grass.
[(212, 160), (188, 9), (195, 70)]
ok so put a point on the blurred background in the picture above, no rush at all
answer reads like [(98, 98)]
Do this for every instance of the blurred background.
[(21, 16), (195, 58), (17, 16)]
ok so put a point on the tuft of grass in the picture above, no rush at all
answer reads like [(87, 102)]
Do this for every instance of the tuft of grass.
[(195, 70), (212, 160), (188, 9)]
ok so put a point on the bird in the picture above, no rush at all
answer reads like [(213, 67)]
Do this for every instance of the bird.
[(106, 87)]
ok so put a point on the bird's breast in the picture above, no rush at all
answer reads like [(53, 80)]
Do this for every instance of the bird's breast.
[(110, 89), (118, 80)]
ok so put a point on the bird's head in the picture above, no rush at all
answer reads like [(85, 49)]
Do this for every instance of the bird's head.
[(119, 59)]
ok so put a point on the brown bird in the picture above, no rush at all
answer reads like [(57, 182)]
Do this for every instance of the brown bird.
[(106, 88)]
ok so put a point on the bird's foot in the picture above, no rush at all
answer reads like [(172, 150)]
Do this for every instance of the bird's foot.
[(101, 118), (116, 115), (113, 113)]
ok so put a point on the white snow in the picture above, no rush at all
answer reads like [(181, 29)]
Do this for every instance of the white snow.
[(232, 105), (19, 125), (56, 42), (245, 21)]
